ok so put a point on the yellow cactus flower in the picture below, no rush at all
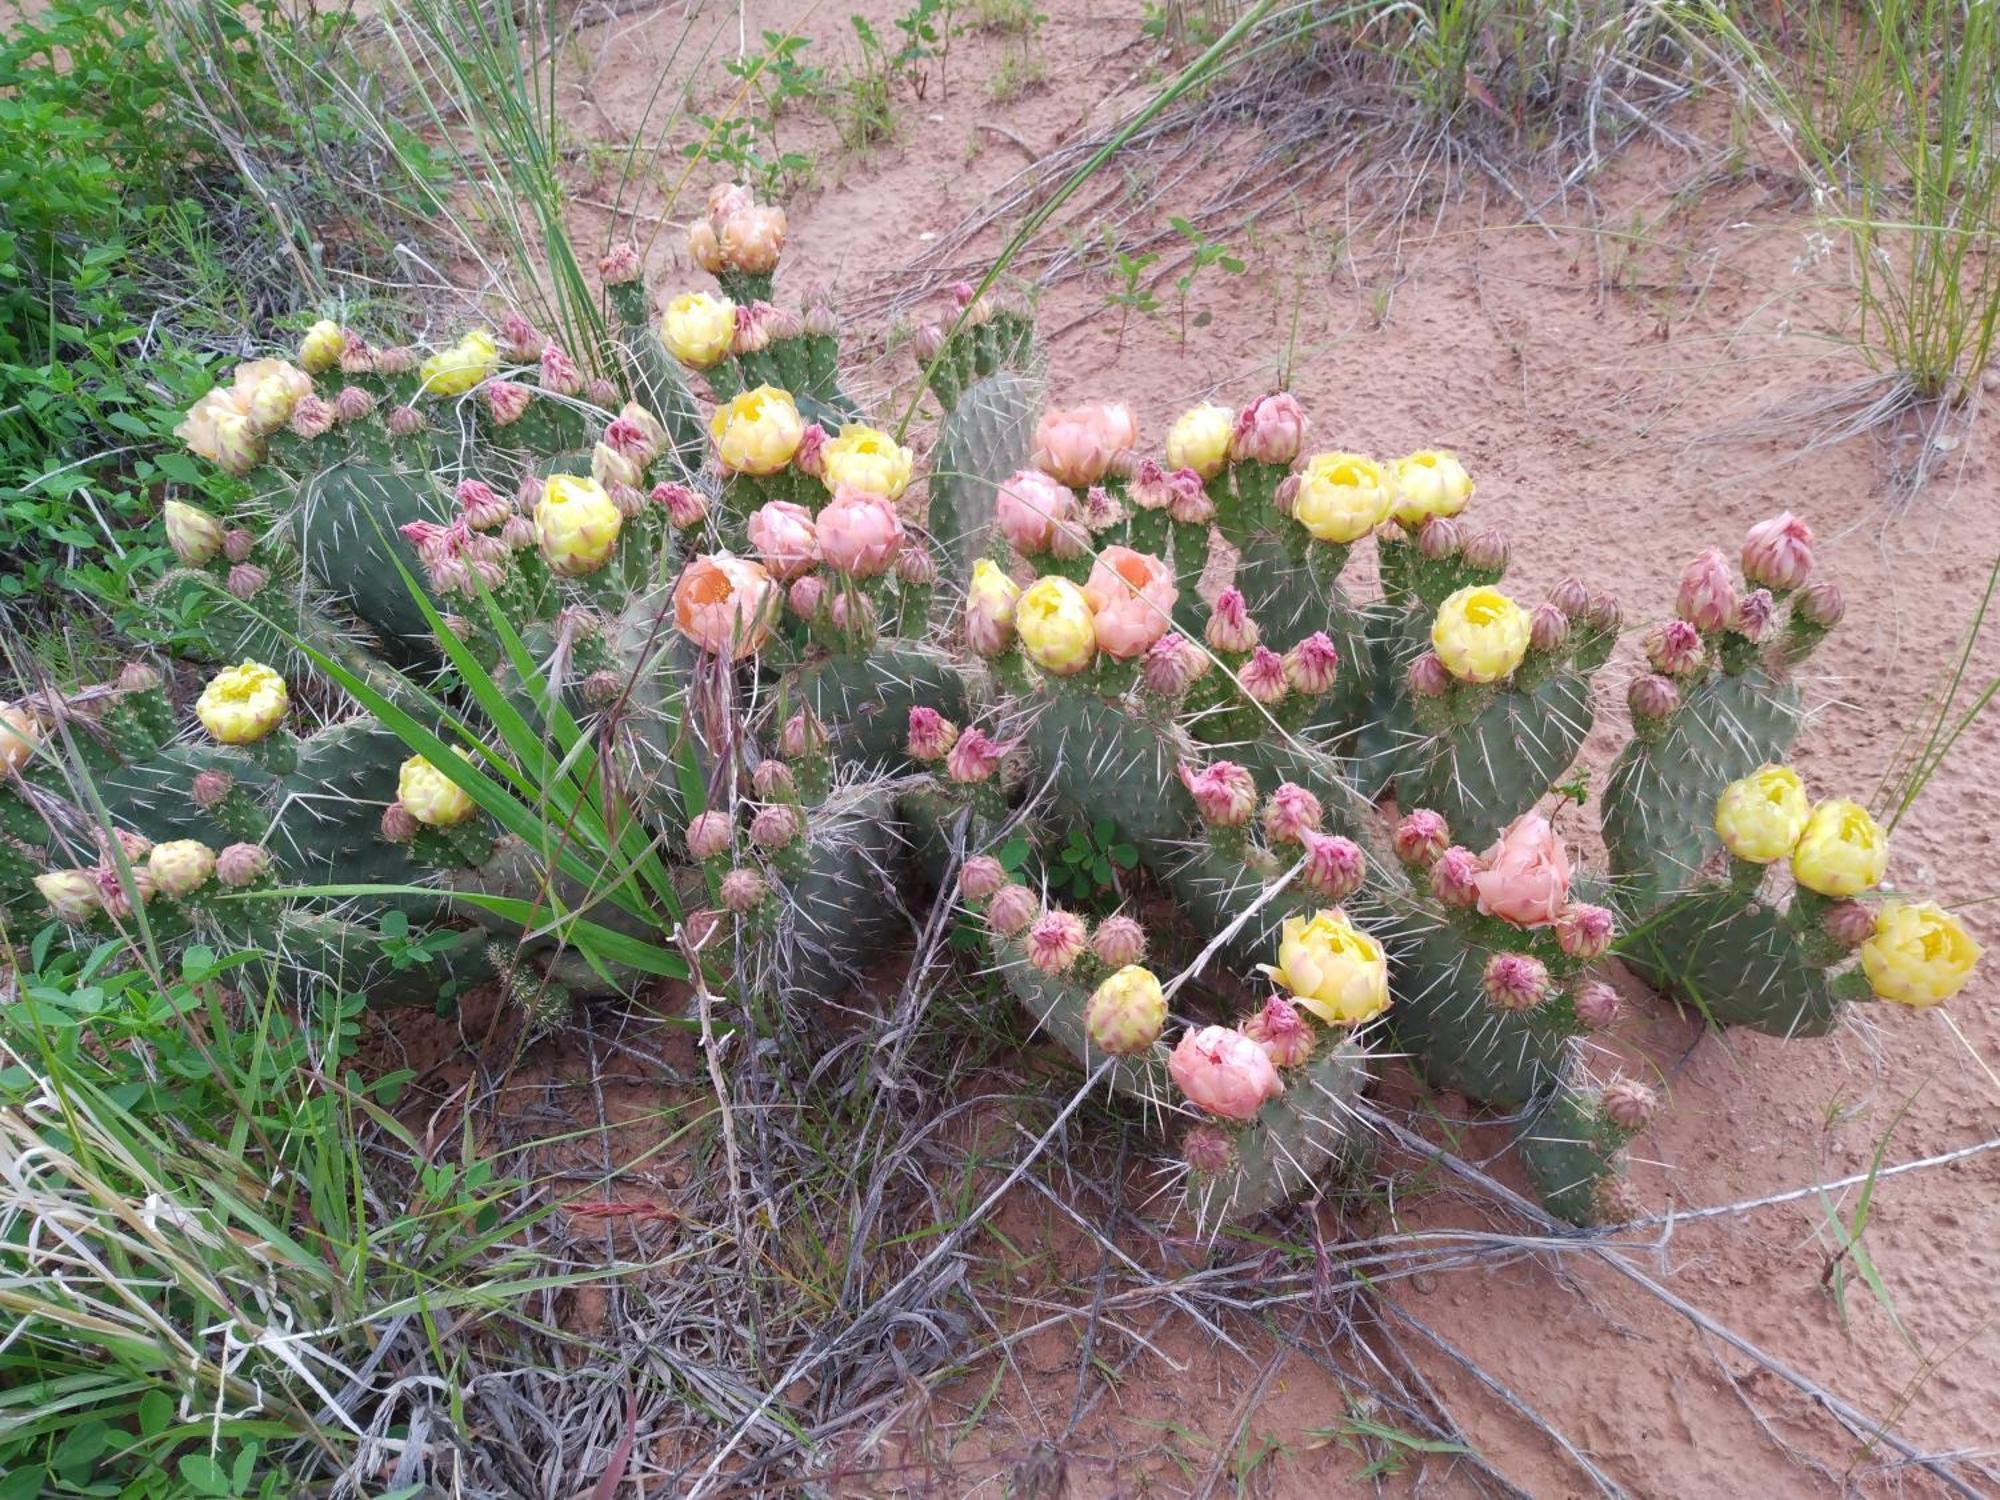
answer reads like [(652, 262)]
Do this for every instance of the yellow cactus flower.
[(1919, 955), (862, 458), (1342, 497), (20, 732), (1332, 968), (757, 432), (243, 703), (454, 371), (576, 524), (1480, 635), (698, 329), (991, 602), (430, 796), (1761, 817), (1429, 482), (322, 346), (1199, 439), (1842, 851), (1055, 626)]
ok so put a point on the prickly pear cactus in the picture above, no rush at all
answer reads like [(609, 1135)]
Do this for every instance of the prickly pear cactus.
[(708, 610)]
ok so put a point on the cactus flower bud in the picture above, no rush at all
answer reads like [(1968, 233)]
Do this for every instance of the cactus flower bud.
[(619, 265), (1516, 981), (1584, 932), (1760, 817), (1225, 794), (319, 350), (1012, 908), (710, 834), (931, 734), (1286, 1036), (481, 508), (806, 595), (1335, 867), (600, 392), (611, 465), (243, 703), (520, 338), (1652, 697), (212, 789), (1480, 634), (853, 612), (1420, 837), (1118, 941), (238, 544), (860, 533), (246, 580), (1603, 612), (1290, 813), (1341, 497), (1262, 678), (1674, 648), (1053, 619), (1842, 850), (71, 895), (1150, 489), (1173, 665), (1440, 537), (134, 846), (1224, 1072), (1548, 628), (1427, 676), (1571, 595), (1848, 923), (637, 433), (1077, 446), (1230, 627), (1597, 1005), (1919, 955), (915, 566), (1286, 495), (1056, 941), (1455, 877), (352, 404), (1200, 439), (1312, 665), (927, 342), (242, 865), (803, 735), (399, 359), (181, 866), (785, 538), (981, 876), (405, 421), (1270, 430), (559, 374), (1628, 1103), (398, 825), (1777, 553), (685, 507), (698, 330), (773, 781), (1822, 604), (991, 605), (1707, 597), (194, 534), (742, 890), (974, 756), (432, 797), (1126, 1013), (776, 825), (506, 400), (1756, 612), (1188, 500), (1208, 1150), (312, 417), (111, 890), (1487, 550)]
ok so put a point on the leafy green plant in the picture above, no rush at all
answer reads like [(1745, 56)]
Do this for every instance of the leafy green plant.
[(1131, 293), (1085, 867), (1202, 253)]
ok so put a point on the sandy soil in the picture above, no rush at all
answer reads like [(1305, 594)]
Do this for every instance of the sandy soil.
[(1598, 370)]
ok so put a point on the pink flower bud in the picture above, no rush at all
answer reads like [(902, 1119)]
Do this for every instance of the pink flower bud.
[(1455, 876), (1270, 430), (1848, 923), (1208, 1150), (1756, 612), (1429, 677), (1172, 666), (246, 580), (355, 357), (806, 595), (1777, 553), (603, 687), (1286, 495), (710, 834), (1584, 932), (1290, 813), (1312, 665), (915, 565), (974, 756), (1487, 551), (685, 507), (241, 864), (450, 574), (1440, 537), (776, 825), (1674, 648), (111, 890), (311, 416), (1652, 697), (1420, 838), (926, 342), (1230, 627), (1262, 678), (238, 544), (1597, 1005), (1149, 489), (134, 846), (352, 404), (405, 421), (1224, 1072), (931, 734), (1603, 612), (1012, 908), (559, 371), (1225, 795), (1101, 510), (852, 612), (1822, 605), (626, 500), (600, 392), (1118, 941), (399, 824), (399, 359), (1286, 1036), (1335, 867), (482, 508), (773, 782), (618, 265), (517, 533), (1628, 1103), (980, 877), (1707, 598), (1548, 628), (803, 735), (1516, 981), (859, 534), (1571, 595), (962, 293), (1056, 941), (518, 336), (1188, 499), (742, 890), (212, 789), (701, 927)]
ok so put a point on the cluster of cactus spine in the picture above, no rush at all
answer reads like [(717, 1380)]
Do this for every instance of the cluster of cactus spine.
[(875, 672)]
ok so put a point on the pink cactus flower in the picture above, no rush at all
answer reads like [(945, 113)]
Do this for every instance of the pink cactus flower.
[(1286, 1036), (1224, 1072), (1421, 837), (785, 537), (1270, 430), (1032, 510), (1526, 876), (859, 534), (1076, 446), (725, 605), (1777, 553), (931, 734)]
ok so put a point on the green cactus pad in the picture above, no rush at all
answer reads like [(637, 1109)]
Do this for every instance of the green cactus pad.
[(1571, 1152), (1738, 963)]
